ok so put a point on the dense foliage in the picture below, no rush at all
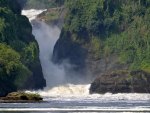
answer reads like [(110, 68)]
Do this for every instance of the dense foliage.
[(14, 6), (18, 50), (111, 27), (43, 4)]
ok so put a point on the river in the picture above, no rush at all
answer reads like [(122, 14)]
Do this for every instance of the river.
[(83, 103), (63, 97)]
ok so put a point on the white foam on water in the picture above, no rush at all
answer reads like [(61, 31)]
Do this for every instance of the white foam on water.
[(81, 92), (32, 13), (68, 90), (73, 110)]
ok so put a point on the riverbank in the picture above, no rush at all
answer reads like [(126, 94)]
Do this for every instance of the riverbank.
[(122, 81)]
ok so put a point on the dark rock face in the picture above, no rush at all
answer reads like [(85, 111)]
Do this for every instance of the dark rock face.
[(36, 81), (82, 56), (14, 6), (17, 35), (122, 82), (66, 48), (93, 38), (22, 3)]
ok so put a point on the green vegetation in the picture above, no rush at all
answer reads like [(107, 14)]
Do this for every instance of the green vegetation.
[(51, 15), (119, 27), (43, 4), (14, 6), (18, 49), (21, 97)]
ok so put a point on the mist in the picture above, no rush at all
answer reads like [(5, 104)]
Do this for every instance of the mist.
[(54, 74), (46, 37)]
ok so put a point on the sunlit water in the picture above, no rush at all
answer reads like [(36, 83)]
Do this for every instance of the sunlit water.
[(76, 98), (69, 97), (82, 102)]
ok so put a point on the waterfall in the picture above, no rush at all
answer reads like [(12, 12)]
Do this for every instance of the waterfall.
[(46, 37), (55, 75)]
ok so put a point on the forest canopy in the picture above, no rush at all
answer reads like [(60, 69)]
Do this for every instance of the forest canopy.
[(116, 27), (18, 49)]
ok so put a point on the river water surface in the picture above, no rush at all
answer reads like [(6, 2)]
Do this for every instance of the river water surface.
[(75, 98), (94, 103)]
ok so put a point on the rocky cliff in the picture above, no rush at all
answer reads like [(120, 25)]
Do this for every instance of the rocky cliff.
[(19, 54), (122, 82), (53, 16), (101, 36)]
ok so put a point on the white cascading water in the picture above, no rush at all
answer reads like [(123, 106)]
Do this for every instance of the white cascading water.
[(32, 13), (68, 90), (46, 37)]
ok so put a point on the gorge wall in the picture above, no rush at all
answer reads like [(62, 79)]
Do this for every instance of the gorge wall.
[(101, 36), (20, 67)]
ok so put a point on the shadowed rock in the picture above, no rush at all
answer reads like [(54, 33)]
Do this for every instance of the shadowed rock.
[(122, 82)]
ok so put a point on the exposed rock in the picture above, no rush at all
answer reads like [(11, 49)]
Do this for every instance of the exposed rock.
[(93, 39), (122, 82), (53, 16), (82, 56), (21, 97), (17, 35), (67, 49), (36, 81), (22, 2)]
